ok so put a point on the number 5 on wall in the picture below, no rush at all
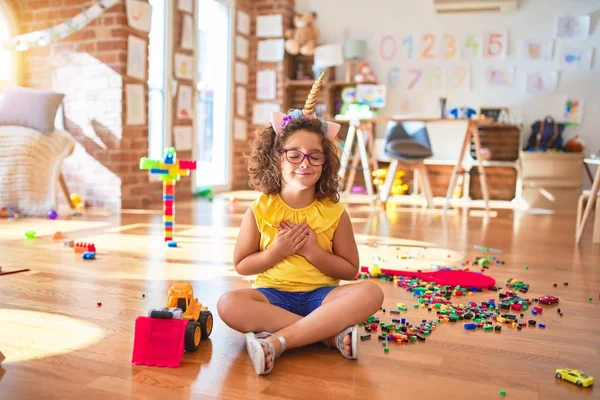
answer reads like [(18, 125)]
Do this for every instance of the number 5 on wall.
[(496, 45)]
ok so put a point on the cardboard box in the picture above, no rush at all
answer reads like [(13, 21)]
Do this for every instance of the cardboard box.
[(552, 180), (551, 165), (551, 195)]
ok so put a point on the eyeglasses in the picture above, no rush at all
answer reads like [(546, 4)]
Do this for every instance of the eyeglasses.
[(296, 157)]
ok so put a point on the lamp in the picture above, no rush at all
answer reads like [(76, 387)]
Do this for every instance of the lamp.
[(354, 50)]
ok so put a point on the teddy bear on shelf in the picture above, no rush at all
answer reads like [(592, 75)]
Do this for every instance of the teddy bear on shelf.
[(303, 38)]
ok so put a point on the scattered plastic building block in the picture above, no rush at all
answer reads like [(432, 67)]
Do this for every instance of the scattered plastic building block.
[(83, 247), (169, 170)]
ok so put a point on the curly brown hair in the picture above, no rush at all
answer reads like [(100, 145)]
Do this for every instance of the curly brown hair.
[(264, 163)]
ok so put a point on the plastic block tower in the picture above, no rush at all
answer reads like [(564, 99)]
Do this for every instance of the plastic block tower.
[(169, 171)]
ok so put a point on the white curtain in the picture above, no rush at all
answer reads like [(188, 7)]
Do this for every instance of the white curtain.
[(8, 59)]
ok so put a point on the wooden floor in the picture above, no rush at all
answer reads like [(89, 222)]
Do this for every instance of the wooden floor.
[(60, 345)]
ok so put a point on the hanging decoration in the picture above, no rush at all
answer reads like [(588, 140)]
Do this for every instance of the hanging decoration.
[(53, 34)]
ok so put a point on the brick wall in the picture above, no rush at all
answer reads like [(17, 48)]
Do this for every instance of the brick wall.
[(90, 68), (254, 9)]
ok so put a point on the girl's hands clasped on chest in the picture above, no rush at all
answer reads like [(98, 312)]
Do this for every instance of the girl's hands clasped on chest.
[(311, 242), (290, 240)]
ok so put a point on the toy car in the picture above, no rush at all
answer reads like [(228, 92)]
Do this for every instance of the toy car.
[(181, 295), (574, 376), (548, 299), (161, 338)]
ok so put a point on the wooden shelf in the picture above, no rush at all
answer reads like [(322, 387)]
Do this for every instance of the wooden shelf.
[(308, 83), (298, 84)]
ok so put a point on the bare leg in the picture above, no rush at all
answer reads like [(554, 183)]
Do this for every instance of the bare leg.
[(248, 310), (343, 307)]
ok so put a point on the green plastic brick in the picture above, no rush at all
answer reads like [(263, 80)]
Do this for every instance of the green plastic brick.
[(146, 163)]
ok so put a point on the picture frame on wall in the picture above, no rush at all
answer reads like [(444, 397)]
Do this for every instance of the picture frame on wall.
[(494, 114)]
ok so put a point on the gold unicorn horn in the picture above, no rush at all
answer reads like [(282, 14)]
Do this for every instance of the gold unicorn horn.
[(309, 106)]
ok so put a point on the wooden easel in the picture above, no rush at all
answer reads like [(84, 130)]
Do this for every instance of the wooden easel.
[(365, 154), (472, 132)]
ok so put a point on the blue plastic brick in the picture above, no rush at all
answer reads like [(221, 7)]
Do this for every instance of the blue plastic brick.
[(470, 327), (172, 243), (543, 326)]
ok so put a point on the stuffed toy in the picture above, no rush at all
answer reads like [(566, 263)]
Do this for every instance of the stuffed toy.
[(574, 145), (303, 38), (365, 74), (348, 97)]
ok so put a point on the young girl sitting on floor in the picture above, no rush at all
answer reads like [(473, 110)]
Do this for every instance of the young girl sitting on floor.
[(298, 239)]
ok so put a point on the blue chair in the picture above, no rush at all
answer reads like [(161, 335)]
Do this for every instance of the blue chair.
[(407, 142)]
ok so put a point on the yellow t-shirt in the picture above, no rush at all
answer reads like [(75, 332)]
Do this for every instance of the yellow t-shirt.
[(294, 273)]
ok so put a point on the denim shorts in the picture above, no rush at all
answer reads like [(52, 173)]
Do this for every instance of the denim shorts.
[(300, 303)]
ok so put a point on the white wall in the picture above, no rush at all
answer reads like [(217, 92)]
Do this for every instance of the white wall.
[(535, 19)]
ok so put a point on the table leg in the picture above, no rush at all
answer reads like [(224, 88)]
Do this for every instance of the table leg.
[(352, 174), (416, 186), (596, 236), (389, 180), (360, 137), (347, 150), (371, 147), (481, 168), (589, 206), (580, 205), (426, 185), (458, 166)]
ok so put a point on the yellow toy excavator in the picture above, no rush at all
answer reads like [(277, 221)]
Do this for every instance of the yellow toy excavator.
[(162, 337), (199, 327)]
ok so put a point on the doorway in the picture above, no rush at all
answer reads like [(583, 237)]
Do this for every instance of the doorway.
[(213, 94)]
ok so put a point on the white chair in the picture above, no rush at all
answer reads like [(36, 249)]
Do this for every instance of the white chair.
[(583, 199), (30, 168), (407, 142)]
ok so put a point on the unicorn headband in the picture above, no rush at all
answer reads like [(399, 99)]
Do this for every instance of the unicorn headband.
[(279, 120)]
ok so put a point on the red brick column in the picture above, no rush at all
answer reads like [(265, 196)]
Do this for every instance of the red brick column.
[(183, 188)]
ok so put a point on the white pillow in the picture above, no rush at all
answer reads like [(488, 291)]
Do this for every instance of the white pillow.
[(31, 108)]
